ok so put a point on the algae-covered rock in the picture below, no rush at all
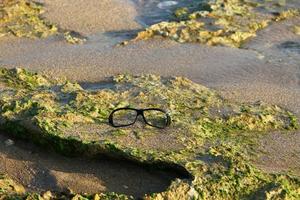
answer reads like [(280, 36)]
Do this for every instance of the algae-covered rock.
[(209, 137), (74, 38), (22, 19), (8, 185), (296, 30), (218, 22)]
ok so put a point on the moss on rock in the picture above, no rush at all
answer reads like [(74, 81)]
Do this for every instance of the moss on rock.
[(296, 30), (22, 19), (219, 22), (7, 185), (212, 138)]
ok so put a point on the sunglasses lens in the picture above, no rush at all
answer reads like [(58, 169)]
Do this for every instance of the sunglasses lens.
[(156, 118), (124, 117)]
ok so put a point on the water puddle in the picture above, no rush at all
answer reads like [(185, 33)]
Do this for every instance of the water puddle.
[(290, 47), (40, 170)]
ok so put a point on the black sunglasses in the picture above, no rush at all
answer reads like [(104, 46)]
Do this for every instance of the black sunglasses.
[(155, 117)]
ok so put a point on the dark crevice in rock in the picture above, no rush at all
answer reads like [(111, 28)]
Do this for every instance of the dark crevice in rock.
[(152, 177)]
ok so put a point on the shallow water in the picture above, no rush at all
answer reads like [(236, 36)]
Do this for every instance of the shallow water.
[(154, 11)]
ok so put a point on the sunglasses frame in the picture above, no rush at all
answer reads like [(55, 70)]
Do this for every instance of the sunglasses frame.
[(139, 112)]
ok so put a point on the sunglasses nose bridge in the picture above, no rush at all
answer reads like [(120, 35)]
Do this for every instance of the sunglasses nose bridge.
[(139, 112), (140, 116)]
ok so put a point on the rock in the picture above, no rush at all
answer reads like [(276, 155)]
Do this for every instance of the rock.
[(47, 195), (9, 142), (125, 186)]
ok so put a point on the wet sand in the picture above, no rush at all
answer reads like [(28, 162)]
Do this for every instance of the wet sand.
[(281, 153), (265, 69), (88, 17), (40, 170)]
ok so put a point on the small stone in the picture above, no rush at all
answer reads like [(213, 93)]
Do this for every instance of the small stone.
[(47, 195), (96, 197), (9, 142), (260, 56), (125, 186), (124, 43), (193, 194)]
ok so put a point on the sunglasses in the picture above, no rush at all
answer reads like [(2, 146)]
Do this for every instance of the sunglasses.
[(155, 117)]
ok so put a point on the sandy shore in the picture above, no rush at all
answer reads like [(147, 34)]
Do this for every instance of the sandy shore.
[(243, 73), (264, 70), (38, 170)]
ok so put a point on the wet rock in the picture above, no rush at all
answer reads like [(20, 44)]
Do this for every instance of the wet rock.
[(23, 19), (227, 23)]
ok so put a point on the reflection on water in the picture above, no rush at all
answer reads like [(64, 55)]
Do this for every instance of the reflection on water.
[(154, 11)]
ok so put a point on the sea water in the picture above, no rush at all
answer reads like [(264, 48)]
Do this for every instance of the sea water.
[(154, 11)]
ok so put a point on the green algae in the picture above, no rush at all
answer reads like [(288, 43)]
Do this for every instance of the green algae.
[(234, 176), (74, 38), (20, 78), (296, 30), (228, 23), (22, 19), (7, 185), (210, 137), (181, 13)]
